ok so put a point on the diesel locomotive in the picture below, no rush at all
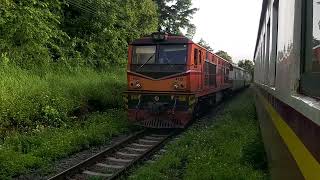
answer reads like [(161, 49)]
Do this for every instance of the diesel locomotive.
[(171, 78), (287, 83)]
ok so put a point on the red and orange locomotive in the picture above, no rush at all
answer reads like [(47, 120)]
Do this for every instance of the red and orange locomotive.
[(168, 78)]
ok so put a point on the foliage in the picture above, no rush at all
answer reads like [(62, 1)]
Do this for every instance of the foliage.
[(191, 31), (227, 147), (224, 55), (27, 28), (204, 44), (55, 67), (247, 65), (100, 30), (175, 15), (38, 33), (56, 98), (21, 152)]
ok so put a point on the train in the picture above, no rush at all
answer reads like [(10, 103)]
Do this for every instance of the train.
[(171, 79), (287, 87)]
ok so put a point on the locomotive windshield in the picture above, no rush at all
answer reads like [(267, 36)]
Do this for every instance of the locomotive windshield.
[(162, 54), (172, 54), (159, 60), (144, 54)]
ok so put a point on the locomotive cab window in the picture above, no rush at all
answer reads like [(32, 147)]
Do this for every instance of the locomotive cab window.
[(144, 54), (196, 56), (172, 54), (159, 61), (312, 49)]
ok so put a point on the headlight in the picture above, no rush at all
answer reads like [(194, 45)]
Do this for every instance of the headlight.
[(135, 84), (179, 85)]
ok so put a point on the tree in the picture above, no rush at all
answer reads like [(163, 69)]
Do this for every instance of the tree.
[(204, 44), (247, 65), (175, 15), (39, 34), (224, 55), (191, 31)]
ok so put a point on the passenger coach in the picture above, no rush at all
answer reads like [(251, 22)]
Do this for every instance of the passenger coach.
[(287, 81)]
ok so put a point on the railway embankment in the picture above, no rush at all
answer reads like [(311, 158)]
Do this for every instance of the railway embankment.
[(49, 116), (226, 146)]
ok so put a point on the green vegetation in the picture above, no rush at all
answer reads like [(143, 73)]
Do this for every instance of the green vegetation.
[(47, 117), (206, 45), (57, 98), (247, 65), (228, 147), (22, 152), (62, 73), (93, 33), (175, 15), (224, 55)]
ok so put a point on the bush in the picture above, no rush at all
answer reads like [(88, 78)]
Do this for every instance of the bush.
[(21, 152), (56, 98), (95, 33)]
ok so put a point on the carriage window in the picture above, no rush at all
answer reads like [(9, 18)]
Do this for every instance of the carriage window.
[(316, 36), (144, 54), (274, 44), (311, 51)]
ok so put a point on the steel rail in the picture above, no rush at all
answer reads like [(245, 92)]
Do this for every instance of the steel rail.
[(92, 160), (154, 141)]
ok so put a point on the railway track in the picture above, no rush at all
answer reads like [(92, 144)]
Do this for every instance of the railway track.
[(118, 159)]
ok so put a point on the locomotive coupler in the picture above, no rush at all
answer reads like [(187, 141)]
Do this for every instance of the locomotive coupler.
[(138, 107), (174, 106)]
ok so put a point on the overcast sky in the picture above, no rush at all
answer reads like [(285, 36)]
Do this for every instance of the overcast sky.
[(229, 25)]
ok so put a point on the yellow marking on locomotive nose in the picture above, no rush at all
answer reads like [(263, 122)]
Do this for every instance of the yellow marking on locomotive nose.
[(182, 98), (135, 97)]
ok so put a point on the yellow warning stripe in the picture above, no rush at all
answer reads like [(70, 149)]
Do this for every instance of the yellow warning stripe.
[(308, 165)]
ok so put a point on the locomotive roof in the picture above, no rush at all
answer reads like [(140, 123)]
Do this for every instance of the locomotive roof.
[(173, 39)]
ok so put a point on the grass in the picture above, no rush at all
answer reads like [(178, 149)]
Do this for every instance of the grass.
[(20, 152), (56, 97), (228, 148), (50, 115)]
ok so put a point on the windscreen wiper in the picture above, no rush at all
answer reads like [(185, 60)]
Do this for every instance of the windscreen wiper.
[(147, 61)]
